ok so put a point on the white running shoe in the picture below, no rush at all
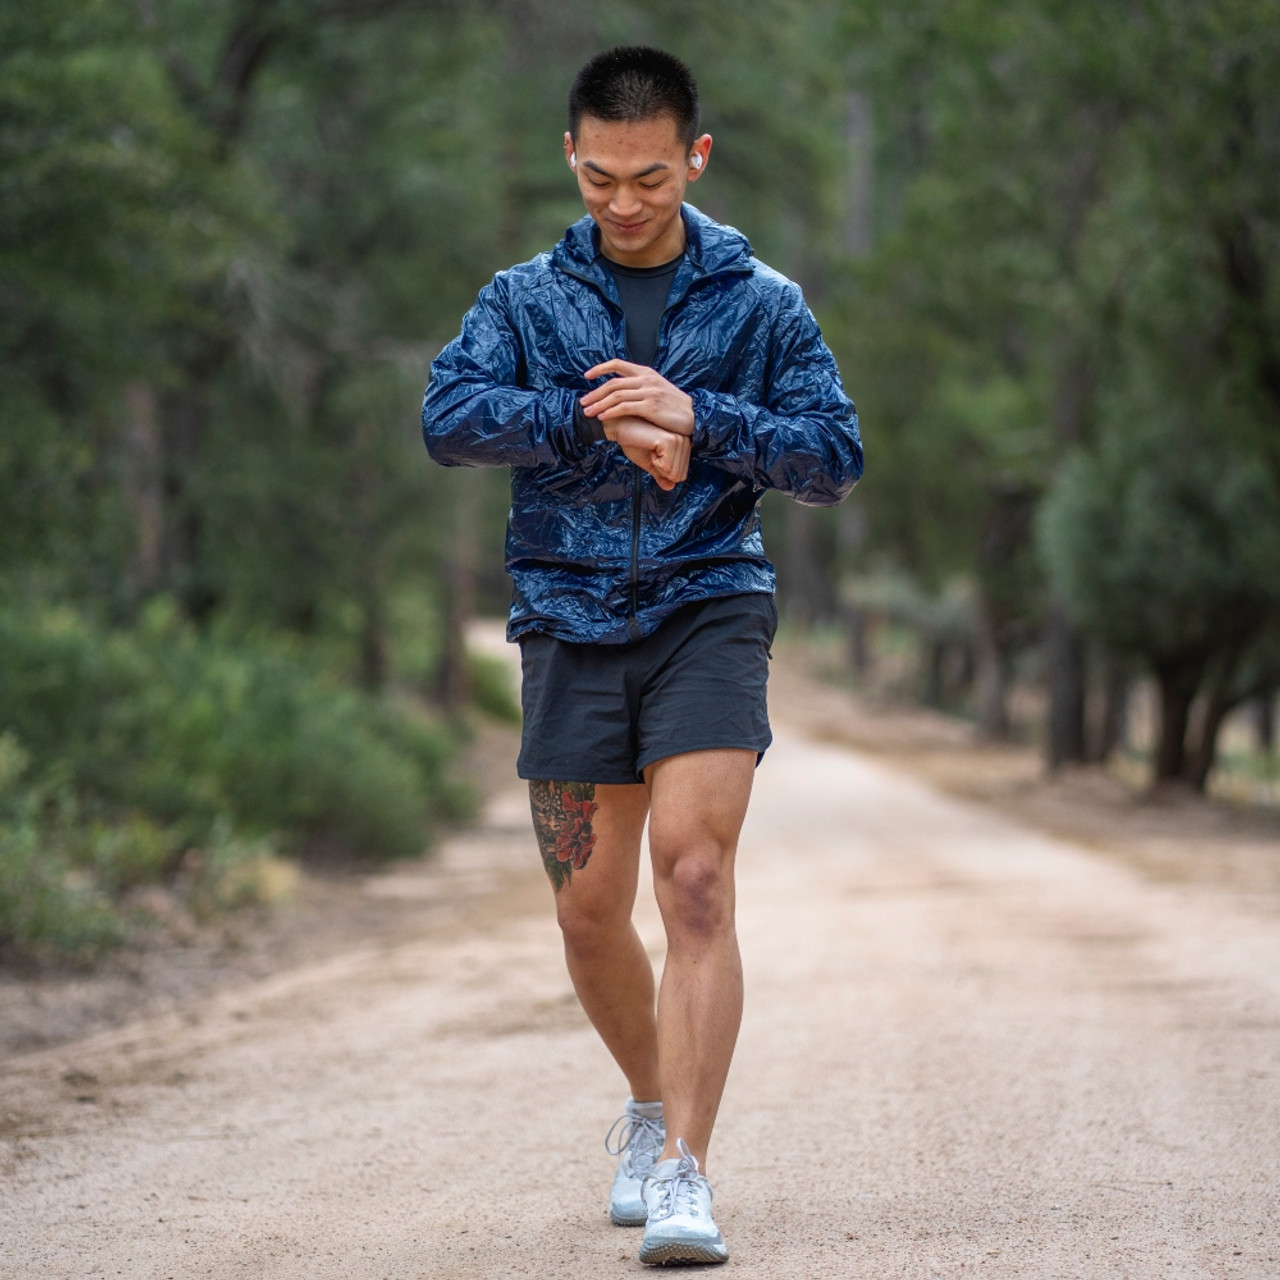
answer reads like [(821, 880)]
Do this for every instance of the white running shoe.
[(679, 1227), (638, 1145)]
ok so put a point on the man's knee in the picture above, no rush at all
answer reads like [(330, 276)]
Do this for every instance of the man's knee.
[(589, 925), (694, 887)]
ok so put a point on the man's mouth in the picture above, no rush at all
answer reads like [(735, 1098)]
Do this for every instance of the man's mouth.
[(627, 228)]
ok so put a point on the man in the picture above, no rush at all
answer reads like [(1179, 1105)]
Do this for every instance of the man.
[(646, 381)]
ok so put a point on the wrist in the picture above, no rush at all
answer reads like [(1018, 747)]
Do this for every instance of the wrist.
[(589, 430), (686, 424)]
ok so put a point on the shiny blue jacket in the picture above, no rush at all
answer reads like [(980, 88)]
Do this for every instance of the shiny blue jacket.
[(596, 550)]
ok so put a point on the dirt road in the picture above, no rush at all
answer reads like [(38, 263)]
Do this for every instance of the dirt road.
[(969, 1050)]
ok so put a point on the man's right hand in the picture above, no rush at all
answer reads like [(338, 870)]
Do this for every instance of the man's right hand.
[(663, 454)]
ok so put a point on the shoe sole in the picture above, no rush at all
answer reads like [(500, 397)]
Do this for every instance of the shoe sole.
[(621, 1220), (682, 1253)]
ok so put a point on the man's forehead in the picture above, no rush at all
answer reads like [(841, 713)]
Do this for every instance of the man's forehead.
[(658, 135)]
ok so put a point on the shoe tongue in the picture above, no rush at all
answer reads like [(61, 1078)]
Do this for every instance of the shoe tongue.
[(665, 1169), (650, 1110)]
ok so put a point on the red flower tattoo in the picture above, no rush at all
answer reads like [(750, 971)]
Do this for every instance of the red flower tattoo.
[(562, 813)]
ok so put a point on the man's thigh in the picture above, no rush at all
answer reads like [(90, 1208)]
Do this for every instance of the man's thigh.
[(697, 804), (589, 837)]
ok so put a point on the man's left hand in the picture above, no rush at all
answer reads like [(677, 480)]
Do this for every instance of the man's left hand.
[(663, 454), (636, 391)]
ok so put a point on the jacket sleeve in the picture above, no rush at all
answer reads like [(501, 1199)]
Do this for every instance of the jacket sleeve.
[(804, 440), (475, 412)]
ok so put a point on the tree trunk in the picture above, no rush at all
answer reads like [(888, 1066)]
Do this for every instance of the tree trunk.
[(1113, 723), (1071, 408), (851, 530), (994, 669), (185, 418), (1199, 761), (1177, 681), (804, 592), (855, 624), (935, 671), (373, 638), (143, 485), (1225, 693), (995, 665), (1066, 662), (457, 579), (1264, 721)]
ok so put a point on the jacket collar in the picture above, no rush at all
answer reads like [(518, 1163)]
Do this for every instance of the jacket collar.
[(711, 249)]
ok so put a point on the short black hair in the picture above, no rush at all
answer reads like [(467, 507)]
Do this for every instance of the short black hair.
[(633, 83)]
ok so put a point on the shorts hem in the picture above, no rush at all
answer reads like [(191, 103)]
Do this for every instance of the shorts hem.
[(735, 744), (532, 773)]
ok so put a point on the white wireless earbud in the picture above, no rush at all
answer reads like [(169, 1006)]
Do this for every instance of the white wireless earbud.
[(573, 159), (696, 160)]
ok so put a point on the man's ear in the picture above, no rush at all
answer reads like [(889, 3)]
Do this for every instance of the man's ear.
[(698, 155), (568, 150)]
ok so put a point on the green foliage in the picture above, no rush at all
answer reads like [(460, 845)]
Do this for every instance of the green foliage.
[(233, 236), (45, 907), (491, 690), (1073, 294), (186, 728), (45, 910), (229, 871), (1161, 546), (68, 882)]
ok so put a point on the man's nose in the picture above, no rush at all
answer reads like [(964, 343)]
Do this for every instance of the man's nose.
[(625, 200)]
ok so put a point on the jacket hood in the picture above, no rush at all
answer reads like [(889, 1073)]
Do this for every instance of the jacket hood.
[(710, 248)]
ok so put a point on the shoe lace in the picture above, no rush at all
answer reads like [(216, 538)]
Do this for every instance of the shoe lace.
[(679, 1192), (639, 1140)]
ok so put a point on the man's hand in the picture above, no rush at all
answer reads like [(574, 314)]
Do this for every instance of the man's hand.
[(663, 454), (635, 390)]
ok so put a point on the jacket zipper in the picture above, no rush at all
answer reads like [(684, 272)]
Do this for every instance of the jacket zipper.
[(637, 487), (637, 499), (633, 622)]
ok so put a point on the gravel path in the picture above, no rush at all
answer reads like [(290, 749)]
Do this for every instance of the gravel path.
[(969, 1050)]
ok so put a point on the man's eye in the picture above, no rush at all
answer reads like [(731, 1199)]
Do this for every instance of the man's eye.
[(653, 186)]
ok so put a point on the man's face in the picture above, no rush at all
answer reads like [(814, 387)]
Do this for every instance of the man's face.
[(632, 178)]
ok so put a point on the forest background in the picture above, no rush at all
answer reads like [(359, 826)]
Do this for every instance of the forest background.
[(1042, 238)]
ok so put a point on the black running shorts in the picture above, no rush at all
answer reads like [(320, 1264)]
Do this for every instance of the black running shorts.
[(603, 712)]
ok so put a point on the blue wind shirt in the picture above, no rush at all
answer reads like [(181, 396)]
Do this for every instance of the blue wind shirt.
[(596, 550)]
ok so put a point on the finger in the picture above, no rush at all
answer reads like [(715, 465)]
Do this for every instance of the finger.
[(625, 409), (614, 366), (611, 388), (654, 467), (677, 462), (660, 474), (614, 395), (668, 464), (641, 457)]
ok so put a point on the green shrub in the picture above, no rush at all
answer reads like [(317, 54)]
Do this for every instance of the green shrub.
[(44, 907), (181, 728), (491, 688), (162, 756), (230, 872), (123, 855), (47, 907)]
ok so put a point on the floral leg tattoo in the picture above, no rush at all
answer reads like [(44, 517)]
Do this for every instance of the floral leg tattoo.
[(562, 813)]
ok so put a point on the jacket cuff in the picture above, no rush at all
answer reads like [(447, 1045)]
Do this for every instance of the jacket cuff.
[(589, 430), (716, 417)]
